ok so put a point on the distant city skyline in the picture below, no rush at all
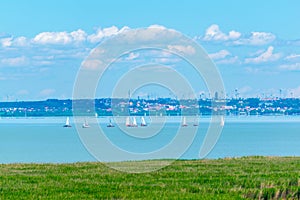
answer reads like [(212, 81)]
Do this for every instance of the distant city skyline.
[(254, 44)]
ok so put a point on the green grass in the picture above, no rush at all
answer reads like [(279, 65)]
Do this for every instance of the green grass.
[(240, 178)]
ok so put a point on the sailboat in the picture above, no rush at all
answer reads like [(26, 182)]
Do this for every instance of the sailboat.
[(143, 122), (222, 123), (110, 124), (196, 123), (134, 124), (67, 125), (127, 123), (85, 124), (184, 122)]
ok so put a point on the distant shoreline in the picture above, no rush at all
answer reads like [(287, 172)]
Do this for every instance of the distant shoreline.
[(253, 157), (151, 107)]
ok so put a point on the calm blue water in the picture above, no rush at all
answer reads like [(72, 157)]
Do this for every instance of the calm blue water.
[(44, 139)]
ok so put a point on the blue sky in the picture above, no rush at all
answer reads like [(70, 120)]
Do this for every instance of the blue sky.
[(255, 44)]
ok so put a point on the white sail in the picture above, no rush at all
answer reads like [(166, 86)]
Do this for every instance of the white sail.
[(143, 122), (196, 121), (67, 124), (68, 121), (110, 124), (184, 121), (85, 124), (127, 123), (134, 122), (222, 123)]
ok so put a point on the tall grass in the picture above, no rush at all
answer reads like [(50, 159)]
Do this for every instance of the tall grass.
[(240, 178)]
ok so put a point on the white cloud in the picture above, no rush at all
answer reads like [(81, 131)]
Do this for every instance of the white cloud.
[(6, 42), (15, 61), (132, 56), (257, 38), (158, 53), (292, 56), (11, 41), (110, 31), (60, 37), (219, 55), (78, 36), (106, 32), (257, 53), (214, 33), (42, 63), (264, 57), (290, 67), (223, 57), (230, 60), (20, 41), (167, 60), (52, 38), (25, 61), (43, 57), (153, 56), (91, 64), (182, 49), (233, 35), (154, 68), (157, 26), (151, 34)]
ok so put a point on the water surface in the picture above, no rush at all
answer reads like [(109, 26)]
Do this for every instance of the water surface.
[(45, 140)]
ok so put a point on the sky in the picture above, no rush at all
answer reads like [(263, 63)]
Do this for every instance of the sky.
[(255, 44)]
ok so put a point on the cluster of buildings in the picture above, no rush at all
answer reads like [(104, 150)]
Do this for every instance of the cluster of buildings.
[(160, 106)]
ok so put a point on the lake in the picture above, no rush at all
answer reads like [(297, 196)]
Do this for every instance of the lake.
[(44, 140)]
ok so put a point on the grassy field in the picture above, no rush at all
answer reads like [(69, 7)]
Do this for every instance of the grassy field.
[(240, 178)]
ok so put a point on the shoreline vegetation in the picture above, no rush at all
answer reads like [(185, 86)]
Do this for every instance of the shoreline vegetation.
[(253, 177)]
